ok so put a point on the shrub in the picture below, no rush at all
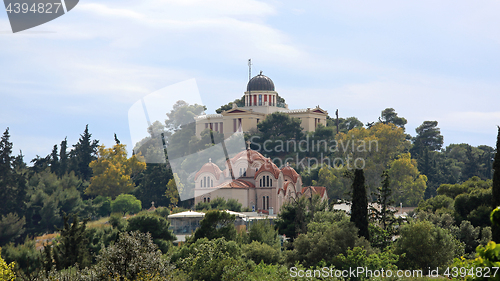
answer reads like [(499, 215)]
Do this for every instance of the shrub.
[(258, 252), (126, 203)]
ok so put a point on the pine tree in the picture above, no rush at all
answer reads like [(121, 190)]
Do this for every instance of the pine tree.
[(83, 153), (359, 207), (496, 188), (73, 246)]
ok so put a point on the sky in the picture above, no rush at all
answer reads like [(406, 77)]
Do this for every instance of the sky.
[(429, 60)]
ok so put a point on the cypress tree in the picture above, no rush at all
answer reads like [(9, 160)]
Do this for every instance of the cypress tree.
[(496, 188), (7, 177), (54, 160), (63, 158), (359, 207)]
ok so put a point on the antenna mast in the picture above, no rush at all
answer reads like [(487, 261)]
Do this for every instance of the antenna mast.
[(249, 69)]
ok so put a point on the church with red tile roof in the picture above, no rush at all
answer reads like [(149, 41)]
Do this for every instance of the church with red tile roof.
[(254, 180)]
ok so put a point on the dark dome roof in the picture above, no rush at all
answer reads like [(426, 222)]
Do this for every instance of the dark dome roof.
[(260, 83)]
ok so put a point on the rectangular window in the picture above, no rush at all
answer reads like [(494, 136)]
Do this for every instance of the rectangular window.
[(206, 125), (234, 125), (255, 100), (263, 202), (221, 128), (239, 124), (267, 205), (260, 99)]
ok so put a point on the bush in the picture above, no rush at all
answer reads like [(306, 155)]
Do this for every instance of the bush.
[(26, 257), (162, 212), (209, 259), (126, 203), (154, 224), (426, 245), (260, 252), (117, 222), (6, 270), (102, 206), (132, 254), (262, 231)]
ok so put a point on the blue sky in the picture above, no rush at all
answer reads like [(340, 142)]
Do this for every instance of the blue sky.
[(429, 60)]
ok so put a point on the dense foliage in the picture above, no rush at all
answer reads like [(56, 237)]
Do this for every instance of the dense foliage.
[(78, 213)]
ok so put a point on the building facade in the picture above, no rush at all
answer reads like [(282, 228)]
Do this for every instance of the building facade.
[(255, 181), (260, 100)]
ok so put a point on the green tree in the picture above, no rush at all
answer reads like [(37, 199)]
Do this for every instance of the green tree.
[(428, 137), (425, 246), (279, 125), (181, 114), (239, 102), (152, 185), (262, 231), (72, 247), (384, 215), (156, 225), (114, 172), (496, 188), (389, 115), (359, 207), (54, 160), (11, 227), (126, 203), (51, 197), (261, 252), (132, 254), (208, 259), (216, 224), (407, 183), (63, 158), (329, 235), (84, 152), (12, 183), (26, 257), (295, 215)]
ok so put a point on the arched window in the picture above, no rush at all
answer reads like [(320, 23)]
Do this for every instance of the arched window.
[(260, 185), (208, 200), (271, 180), (267, 181), (204, 181), (267, 203), (211, 183), (204, 200), (263, 202)]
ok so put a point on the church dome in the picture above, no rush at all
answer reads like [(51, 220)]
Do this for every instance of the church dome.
[(260, 83)]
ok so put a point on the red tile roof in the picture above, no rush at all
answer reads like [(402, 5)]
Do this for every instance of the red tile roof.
[(209, 168), (320, 190), (238, 183), (249, 155), (289, 171), (269, 166)]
